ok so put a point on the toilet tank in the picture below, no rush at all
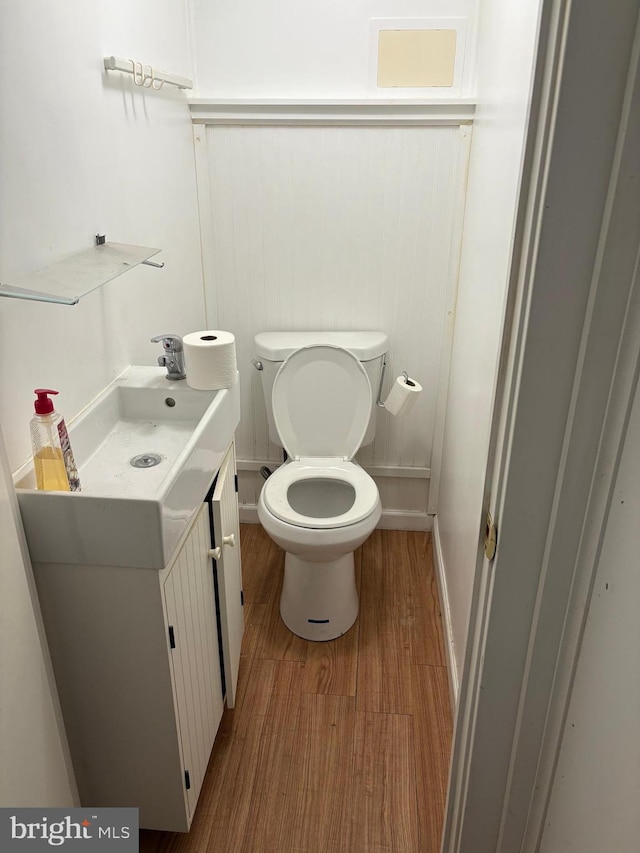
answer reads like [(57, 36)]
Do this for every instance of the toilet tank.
[(271, 349)]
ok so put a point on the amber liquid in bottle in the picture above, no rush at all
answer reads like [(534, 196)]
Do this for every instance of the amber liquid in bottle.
[(51, 474)]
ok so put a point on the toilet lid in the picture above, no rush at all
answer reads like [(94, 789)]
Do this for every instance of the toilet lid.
[(321, 403)]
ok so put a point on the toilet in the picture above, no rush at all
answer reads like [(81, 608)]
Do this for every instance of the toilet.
[(320, 392)]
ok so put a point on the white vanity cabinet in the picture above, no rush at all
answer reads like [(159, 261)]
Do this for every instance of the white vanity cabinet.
[(137, 662)]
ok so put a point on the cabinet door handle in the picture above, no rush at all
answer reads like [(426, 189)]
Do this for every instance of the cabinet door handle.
[(216, 553)]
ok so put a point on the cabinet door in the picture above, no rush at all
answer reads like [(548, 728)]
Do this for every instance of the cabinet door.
[(193, 636), (227, 536)]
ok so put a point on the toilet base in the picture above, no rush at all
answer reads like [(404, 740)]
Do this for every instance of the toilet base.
[(319, 601)]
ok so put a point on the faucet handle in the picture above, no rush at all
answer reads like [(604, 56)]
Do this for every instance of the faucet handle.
[(171, 343), (174, 358)]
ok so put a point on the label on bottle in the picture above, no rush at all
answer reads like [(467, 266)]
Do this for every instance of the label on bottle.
[(67, 455)]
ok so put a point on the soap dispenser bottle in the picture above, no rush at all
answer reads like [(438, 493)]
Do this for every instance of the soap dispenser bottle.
[(55, 467)]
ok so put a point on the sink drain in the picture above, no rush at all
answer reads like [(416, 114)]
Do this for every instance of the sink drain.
[(145, 460)]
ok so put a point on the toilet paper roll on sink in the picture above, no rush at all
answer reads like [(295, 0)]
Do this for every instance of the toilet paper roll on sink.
[(210, 360), (403, 395)]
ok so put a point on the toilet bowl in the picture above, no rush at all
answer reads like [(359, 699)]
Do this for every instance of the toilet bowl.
[(319, 599), (320, 506)]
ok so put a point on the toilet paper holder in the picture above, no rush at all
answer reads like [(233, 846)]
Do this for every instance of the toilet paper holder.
[(380, 401)]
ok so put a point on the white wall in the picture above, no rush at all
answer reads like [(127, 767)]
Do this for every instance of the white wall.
[(289, 49), (337, 228), (35, 768), (506, 40), (594, 799), (83, 151), (80, 152)]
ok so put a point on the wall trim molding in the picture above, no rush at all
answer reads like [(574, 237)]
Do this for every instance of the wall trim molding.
[(413, 472), (392, 519), (405, 519), (447, 627), (345, 111), (451, 296)]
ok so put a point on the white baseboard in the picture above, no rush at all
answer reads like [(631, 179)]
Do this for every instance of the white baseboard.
[(392, 519), (447, 628), (404, 519), (248, 513)]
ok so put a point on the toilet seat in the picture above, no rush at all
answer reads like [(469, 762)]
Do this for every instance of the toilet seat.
[(276, 488), (321, 407)]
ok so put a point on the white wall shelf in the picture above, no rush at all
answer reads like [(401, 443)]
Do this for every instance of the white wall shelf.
[(66, 282)]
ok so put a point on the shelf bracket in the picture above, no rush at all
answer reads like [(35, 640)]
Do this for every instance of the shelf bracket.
[(101, 239)]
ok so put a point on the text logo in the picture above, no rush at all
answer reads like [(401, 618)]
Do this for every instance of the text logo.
[(69, 829)]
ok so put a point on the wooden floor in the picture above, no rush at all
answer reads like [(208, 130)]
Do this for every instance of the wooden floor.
[(338, 746)]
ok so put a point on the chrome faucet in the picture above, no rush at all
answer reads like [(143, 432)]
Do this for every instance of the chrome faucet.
[(173, 359)]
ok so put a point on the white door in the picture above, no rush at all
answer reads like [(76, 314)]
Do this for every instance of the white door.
[(227, 546), (191, 619), (571, 355)]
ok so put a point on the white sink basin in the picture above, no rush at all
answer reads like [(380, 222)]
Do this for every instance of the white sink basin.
[(125, 515)]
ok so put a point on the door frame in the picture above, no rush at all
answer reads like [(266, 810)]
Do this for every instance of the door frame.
[(568, 373)]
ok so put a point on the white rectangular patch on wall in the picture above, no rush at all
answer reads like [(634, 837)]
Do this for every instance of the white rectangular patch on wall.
[(418, 57)]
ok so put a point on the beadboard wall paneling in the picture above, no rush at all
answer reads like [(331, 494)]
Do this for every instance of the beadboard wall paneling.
[(336, 228)]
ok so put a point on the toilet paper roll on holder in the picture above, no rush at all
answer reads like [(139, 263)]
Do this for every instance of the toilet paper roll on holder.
[(380, 401)]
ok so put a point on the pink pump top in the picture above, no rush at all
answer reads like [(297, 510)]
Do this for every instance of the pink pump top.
[(43, 405)]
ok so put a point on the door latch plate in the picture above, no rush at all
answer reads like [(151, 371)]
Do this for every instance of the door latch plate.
[(490, 538)]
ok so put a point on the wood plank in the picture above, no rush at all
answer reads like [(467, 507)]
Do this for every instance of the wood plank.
[(427, 645), (236, 747), (229, 797), (273, 761), (400, 563), (384, 660), (332, 667), (317, 810), (255, 615), (242, 793), (433, 733), (385, 800), (399, 619)]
